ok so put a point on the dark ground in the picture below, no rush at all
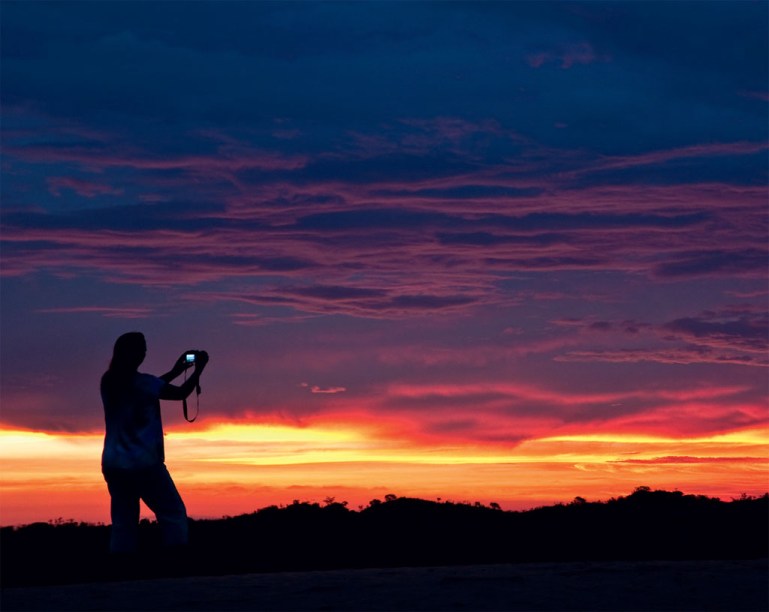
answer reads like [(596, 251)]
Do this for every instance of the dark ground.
[(617, 586), (400, 532), (652, 550)]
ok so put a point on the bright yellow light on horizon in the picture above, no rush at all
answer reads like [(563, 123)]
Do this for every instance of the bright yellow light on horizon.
[(745, 436), (19, 444), (228, 468), (255, 432)]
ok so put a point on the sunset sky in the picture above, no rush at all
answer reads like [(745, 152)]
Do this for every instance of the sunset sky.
[(478, 251)]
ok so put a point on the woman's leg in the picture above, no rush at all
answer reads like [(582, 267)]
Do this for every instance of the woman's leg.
[(160, 494), (124, 510)]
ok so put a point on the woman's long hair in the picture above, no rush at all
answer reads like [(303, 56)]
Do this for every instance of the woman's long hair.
[(128, 353)]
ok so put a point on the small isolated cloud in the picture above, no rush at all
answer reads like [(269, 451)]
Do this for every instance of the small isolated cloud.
[(567, 56), (323, 390)]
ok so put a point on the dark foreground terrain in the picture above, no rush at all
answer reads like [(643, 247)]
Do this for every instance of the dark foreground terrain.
[(587, 585), (651, 550), (400, 532)]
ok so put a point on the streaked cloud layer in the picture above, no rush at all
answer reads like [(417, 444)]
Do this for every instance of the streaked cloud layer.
[(471, 223)]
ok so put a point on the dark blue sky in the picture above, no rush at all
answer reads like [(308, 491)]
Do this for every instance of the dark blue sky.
[(354, 197)]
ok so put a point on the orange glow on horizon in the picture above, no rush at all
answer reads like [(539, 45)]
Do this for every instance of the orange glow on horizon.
[(233, 468)]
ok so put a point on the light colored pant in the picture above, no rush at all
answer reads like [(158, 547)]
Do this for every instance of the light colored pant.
[(154, 486)]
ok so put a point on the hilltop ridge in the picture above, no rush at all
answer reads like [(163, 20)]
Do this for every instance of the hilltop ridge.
[(645, 525)]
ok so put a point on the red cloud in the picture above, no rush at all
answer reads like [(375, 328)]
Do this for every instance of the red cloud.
[(118, 312), (567, 56), (98, 159), (693, 151), (89, 189)]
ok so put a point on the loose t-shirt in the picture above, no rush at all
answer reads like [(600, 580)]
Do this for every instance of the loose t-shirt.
[(134, 431)]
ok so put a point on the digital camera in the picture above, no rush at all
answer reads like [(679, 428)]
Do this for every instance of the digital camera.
[(189, 358)]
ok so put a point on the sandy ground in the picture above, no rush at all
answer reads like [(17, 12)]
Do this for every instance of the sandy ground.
[(695, 585)]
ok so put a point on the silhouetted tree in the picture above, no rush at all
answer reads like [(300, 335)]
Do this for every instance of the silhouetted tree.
[(646, 524)]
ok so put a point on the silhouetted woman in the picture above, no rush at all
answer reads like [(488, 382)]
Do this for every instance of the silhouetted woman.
[(133, 461)]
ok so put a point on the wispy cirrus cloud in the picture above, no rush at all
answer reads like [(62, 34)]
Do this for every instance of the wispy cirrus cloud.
[(676, 459), (567, 56), (747, 332), (725, 149), (685, 355), (515, 411), (88, 189), (456, 256), (391, 302), (96, 159), (693, 263), (736, 335), (118, 312)]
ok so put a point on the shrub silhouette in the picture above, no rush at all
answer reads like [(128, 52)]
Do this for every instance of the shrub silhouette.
[(404, 531)]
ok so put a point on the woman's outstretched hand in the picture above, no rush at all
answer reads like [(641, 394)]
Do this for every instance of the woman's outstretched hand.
[(201, 359), (183, 363), (196, 358)]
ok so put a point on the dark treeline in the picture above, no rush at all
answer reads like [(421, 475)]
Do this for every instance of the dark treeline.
[(653, 525)]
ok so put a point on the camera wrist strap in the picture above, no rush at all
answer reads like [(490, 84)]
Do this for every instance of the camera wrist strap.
[(197, 410), (184, 402)]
